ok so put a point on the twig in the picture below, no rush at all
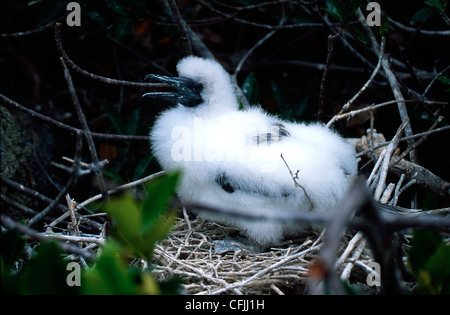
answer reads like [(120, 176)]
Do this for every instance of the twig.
[(70, 183), (264, 271), (11, 224), (350, 246), (423, 177), (422, 32), (376, 168), (181, 26), (417, 135), (73, 226), (325, 263), (331, 39), (92, 76), (395, 86), (296, 184), (394, 200), (120, 188), (386, 160), (365, 86), (74, 238), (417, 143), (427, 89), (233, 17), (36, 30), (358, 251), (24, 209), (362, 110), (87, 133), (51, 121), (241, 95), (29, 192)]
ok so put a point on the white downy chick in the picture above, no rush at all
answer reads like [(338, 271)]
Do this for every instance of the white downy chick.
[(231, 158)]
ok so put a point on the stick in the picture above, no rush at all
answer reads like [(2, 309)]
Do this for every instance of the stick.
[(386, 161), (181, 26), (87, 133)]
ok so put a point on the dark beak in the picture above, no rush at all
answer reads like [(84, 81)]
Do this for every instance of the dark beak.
[(187, 91)]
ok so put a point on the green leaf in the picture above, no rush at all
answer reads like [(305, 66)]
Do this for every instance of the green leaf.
[(335, 9), (117, 6), (438, 4), (11, 249), (47, 272), (301, 106), (421, 15), (423, 245), (114, 117), (429, 261), (340, 11), (384, 28), (351, 9), (12, 246), (127, 214), (140, 225), (159, 192), (250, 88), (445, 79), (122, 29), (109, 275), (284, 105), (438, 266), (141, 167), (133, 121)]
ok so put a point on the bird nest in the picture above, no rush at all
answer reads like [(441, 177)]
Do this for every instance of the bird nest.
[(189, 253)]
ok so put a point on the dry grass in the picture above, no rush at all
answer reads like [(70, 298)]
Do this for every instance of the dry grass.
[(189, 253)]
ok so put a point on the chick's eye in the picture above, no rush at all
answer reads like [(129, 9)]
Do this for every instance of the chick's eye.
[(198, 88)]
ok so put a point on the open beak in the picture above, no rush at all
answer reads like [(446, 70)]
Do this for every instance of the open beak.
[(187, 91)]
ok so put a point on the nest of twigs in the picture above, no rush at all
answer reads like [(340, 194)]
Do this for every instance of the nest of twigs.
[(189, 253)]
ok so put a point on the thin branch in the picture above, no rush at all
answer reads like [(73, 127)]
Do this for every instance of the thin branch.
[(95, 77), (51, 121), (427, 89), (241, 95), (331, 39), (296, 184), (264, 271), (417, 143), (181, 26), (362, 110), (356, 198), (395, 86), (420, 31), (417, 135), (365, 86), (36, 30), (29, 192), (70, 183), (423, 177), (233, 17), (87, 133), (386, 161), (121, 188), (13, 225), (24, 209), (38, 196)]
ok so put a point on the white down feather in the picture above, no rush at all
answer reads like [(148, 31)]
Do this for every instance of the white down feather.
[(227, 160)]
